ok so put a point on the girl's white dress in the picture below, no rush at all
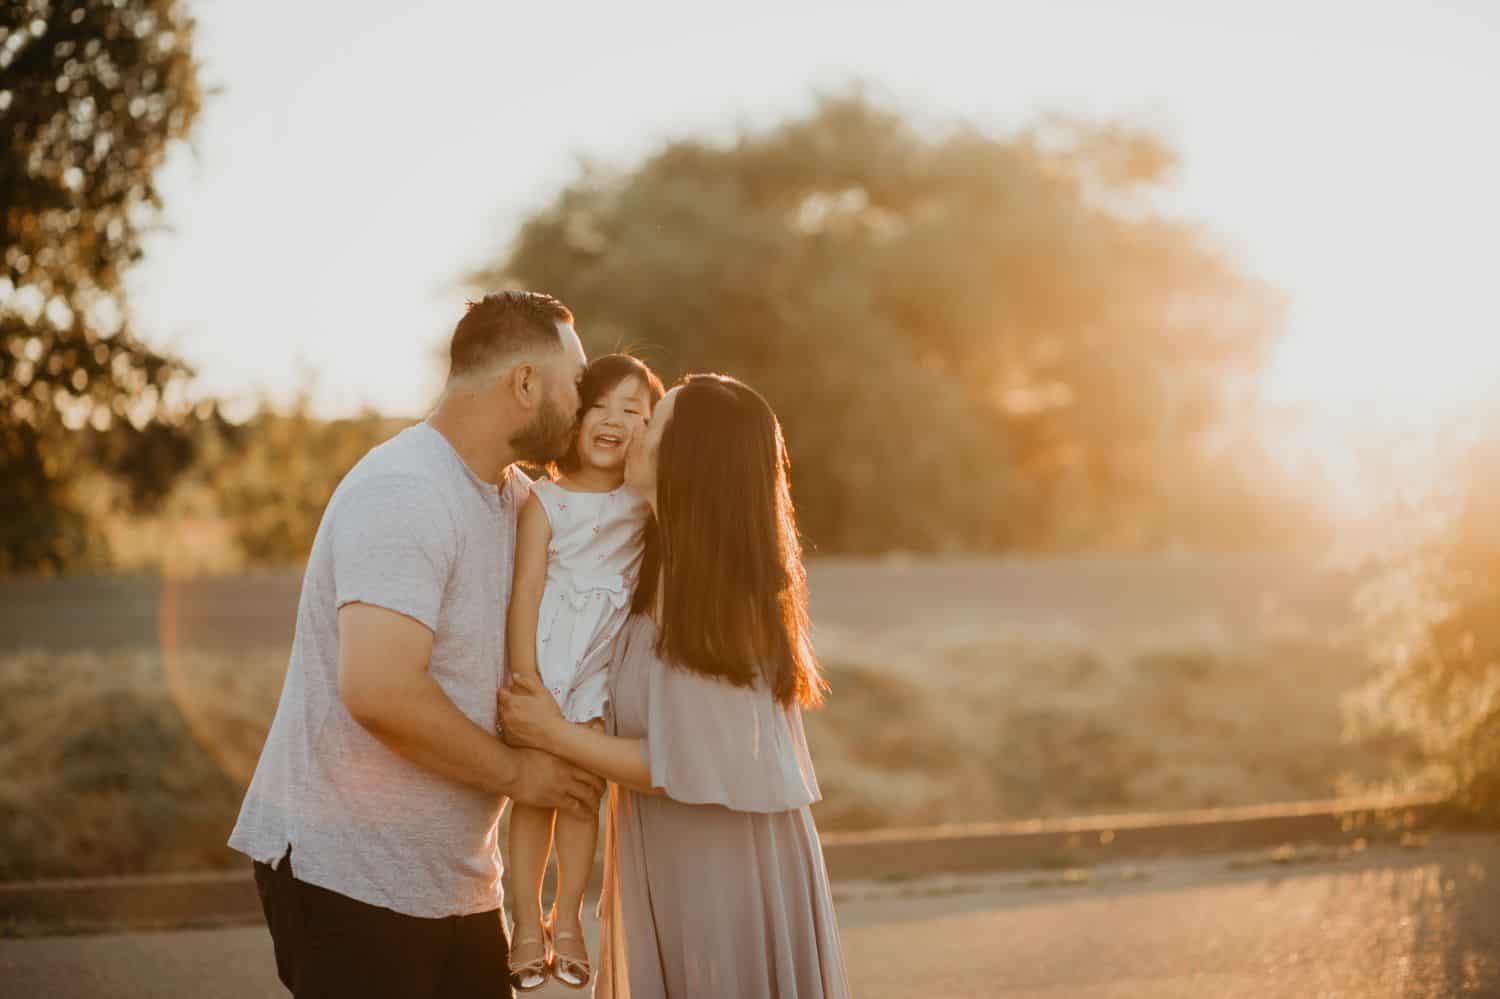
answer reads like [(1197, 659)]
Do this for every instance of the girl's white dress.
[(593, 562)]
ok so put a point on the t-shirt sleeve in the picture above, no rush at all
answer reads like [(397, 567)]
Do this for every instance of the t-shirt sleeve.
[(394, 542)]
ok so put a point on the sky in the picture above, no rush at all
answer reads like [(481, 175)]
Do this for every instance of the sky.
[(357, 159)]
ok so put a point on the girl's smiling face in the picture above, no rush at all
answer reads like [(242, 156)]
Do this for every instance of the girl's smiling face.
[(606, 428)]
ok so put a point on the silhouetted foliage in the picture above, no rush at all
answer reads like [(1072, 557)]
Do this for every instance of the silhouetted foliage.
[(277, 471), (1436, 605), (91, 96), (973, 341)]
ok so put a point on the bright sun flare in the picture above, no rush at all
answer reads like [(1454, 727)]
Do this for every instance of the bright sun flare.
[(1413, 351)]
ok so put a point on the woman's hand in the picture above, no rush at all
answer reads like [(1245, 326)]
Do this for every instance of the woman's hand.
[(529, 717)]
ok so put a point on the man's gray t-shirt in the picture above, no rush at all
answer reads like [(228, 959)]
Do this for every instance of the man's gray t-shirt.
[(411, 528)]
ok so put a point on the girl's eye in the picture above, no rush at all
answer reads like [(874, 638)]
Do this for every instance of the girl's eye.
[(597, 405), (633, 412)]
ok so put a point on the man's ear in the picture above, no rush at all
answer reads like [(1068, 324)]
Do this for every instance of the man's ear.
[(526, 385)]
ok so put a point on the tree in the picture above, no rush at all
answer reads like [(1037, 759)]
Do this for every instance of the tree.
[(92, 94), (1433, 603), (973, 341), (273, 476)]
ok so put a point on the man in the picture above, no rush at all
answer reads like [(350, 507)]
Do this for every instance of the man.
[(372, 817)]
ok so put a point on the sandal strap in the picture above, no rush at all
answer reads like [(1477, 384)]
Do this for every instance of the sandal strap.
[(559, 957), (578, 966), (536, 966)]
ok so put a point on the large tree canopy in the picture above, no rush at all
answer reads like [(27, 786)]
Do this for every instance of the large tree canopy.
[(92, 93), (972, 340)]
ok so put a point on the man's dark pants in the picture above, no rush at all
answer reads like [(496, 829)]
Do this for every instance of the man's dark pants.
[(329, 945)]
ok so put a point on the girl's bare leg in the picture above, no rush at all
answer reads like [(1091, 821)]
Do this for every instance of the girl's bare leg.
[(576, 841), (530, 842)]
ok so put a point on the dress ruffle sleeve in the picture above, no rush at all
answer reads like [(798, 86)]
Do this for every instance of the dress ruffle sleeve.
[(709, 742)]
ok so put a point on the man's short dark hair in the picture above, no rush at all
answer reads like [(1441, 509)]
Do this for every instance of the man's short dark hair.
[(503, 324)]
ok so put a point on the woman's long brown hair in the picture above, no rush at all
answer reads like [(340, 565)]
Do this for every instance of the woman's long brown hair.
[(734, 591)]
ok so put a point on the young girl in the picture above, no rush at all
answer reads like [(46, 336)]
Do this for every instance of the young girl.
[(579, 545)]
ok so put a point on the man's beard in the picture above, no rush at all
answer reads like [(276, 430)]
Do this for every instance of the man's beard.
[(547, 437)]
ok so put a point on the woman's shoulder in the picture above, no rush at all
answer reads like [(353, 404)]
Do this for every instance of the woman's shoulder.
[(637, 644), (637, 635)]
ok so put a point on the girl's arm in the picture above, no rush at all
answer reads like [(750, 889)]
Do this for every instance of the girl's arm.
[(533, 534), (533, 719)]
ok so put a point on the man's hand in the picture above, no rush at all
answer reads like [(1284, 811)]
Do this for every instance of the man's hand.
[(528, 714), (544, 781)]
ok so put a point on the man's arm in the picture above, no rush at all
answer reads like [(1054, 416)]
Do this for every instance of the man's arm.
[(385, 683)]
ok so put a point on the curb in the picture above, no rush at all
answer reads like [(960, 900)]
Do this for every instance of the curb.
[(219, 897), (146, 901), (1103, 839)]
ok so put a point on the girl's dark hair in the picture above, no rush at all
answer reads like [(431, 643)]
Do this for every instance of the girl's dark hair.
[(725, 550), (599, 378)]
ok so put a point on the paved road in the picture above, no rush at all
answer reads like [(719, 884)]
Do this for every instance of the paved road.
[(1382, 924)]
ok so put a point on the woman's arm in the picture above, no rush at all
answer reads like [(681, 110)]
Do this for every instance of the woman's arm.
[(533, 534), (612, 757), (532, 718)]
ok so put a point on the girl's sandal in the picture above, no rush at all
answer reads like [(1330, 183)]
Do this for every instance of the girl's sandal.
[(528, 976), (574, 972)]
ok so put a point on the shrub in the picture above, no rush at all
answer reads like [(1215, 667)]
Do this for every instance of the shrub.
[(1435, 603)]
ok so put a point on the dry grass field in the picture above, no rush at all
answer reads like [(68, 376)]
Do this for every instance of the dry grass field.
[(132, 710)]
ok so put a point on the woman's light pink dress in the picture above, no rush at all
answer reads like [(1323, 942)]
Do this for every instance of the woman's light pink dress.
[(718, 887)]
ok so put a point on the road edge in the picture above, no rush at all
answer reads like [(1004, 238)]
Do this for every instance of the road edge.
[(207, 898)]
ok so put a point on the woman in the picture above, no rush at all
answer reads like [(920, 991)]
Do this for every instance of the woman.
[(714, 883)]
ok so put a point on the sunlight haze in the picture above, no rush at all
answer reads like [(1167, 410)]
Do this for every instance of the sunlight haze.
[(361, 157)]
